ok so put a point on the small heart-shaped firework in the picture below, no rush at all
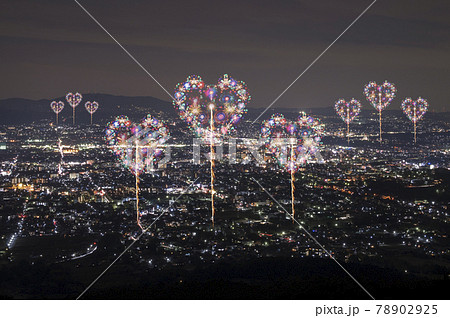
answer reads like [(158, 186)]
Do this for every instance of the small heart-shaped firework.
[(91, 107), (73, 99), (380, 96), (57, 107), (414, 109), (348, 111)]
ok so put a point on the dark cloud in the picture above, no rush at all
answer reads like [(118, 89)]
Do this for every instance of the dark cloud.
[(49, 47)]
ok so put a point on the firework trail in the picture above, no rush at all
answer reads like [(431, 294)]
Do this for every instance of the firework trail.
[(415, 110), (138, 147), (91, 107), (212, 112), (348, 111), (61, 162), (57, 107), (380, 96), (74, 100), (302, 136)]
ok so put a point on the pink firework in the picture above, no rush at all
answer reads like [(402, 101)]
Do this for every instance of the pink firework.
[(415, 110), (138, 146), (348, 111), (57, 107), (302, 137), (212, 111), (74, 100), (380, 96), (91, 107)]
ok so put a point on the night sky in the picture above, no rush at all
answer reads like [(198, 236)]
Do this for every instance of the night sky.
[(51, 47)]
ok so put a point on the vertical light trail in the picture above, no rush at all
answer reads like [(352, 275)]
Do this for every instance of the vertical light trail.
[(60, 146), (292, 183), (348, 125), (91, 119), (211, 106), (380, 126), (73, 115), (415, 120), (379, 111), (136, 174)]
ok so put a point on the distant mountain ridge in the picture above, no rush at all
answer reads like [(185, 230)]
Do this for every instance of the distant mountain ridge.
[(24, 111), (20, 110)]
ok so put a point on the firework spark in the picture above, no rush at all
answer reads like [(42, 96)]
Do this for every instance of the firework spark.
[(57, 107), (302, 137), (380, 96), (74, 100), (138, 146), (415, 110), (91, 108), (348, 111), (211, 111)]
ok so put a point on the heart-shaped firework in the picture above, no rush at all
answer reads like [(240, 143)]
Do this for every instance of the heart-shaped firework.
[(138, 146), (212, 109), (57, 107), (73, 99), (302, 137), (380, 95), (348, 110), (91, 107), (415, 109)]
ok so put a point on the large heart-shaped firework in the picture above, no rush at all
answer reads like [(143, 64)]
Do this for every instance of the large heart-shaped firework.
[(57, 107), (91, 107), (348, 110), (73, 99), (415, 109), (138, 146), (302, 137), (380, 95), (212, 109)]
